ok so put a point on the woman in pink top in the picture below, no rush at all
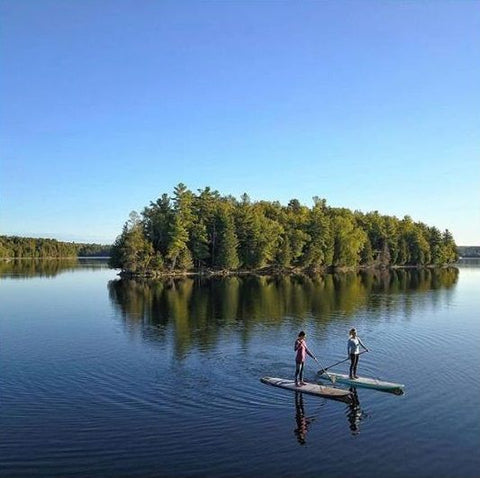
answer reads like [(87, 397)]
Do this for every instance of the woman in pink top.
[(302, 351)]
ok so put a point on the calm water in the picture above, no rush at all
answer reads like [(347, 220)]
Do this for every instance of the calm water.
[(108, 378)]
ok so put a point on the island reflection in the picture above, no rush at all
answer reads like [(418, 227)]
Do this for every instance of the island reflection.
[(198, 309)]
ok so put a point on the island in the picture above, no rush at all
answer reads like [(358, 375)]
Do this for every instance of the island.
[(209, 233)]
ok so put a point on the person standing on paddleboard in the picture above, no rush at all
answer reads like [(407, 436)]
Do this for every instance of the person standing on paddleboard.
[(353, 349), (302, 351)]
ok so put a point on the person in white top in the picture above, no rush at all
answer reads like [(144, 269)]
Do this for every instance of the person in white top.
[(353, 350)]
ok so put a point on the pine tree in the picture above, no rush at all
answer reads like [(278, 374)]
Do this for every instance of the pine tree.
[(178, 239), (178, 254), (158, 219), (131, 251), (450, 254), (227, 257)]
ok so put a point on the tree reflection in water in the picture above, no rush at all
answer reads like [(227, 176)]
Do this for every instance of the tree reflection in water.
[(198, 309), (44, 267)]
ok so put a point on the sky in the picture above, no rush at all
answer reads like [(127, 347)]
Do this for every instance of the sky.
[(107, 104)]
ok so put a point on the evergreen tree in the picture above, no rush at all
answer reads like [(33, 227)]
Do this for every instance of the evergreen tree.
[(158, 219), (419, 249), (199, 244), (450, 252), (392, 239), (227, 257), (132, 251), (436, 246), (246, 232), (204, 233), (178, 239), (178, 254)]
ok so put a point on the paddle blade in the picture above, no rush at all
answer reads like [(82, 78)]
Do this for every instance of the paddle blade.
[(333, 379)]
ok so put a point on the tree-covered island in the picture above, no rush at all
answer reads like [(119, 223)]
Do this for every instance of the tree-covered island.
[(206, 232)]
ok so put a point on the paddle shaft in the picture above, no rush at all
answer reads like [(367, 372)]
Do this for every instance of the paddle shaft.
[(324, 370), (330, 378)]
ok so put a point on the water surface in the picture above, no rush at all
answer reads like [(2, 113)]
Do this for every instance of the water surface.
[(106, 377)]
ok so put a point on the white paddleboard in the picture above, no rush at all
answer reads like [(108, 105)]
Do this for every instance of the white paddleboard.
[(310, 388), (364, 382)]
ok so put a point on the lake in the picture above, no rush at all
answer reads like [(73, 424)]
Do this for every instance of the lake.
[(103, 377)]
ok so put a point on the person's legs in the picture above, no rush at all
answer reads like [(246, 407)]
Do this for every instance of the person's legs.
[(352, 363), (298, 366), (299, 373), (302, 366), (355, 364)]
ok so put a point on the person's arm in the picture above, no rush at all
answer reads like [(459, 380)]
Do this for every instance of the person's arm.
[(310, 353), (297, 344), (349, 347), (361, 343)]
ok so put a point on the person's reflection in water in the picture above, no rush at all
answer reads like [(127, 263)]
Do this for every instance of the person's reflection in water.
[(302, 421), (354, 414)]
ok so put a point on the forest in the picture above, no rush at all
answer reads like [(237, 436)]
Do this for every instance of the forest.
[(28, 247), (469, 251), (207, 231)]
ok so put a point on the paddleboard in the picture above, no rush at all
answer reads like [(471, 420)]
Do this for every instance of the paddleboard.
[(364, 382), (310, 388)]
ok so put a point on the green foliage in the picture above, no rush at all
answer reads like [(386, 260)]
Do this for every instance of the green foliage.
[(12, 247), (227, 256), (199, 243), (468, 251), (349, 238), (93, 250), (449, 248), (206, 230), (132, 251), (178, 254), (320, 249), (178, 239), (366, 254), (157, 221)]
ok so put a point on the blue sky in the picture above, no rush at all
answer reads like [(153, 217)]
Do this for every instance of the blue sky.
[(105, 105)]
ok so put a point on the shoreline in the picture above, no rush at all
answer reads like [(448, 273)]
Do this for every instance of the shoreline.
[(275, 271)]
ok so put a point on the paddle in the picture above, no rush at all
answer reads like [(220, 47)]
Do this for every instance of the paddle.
[(332, 379), (324, 370)]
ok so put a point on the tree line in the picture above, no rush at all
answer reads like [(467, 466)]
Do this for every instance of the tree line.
[(469, 251), (205, 230), (18, 247)]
